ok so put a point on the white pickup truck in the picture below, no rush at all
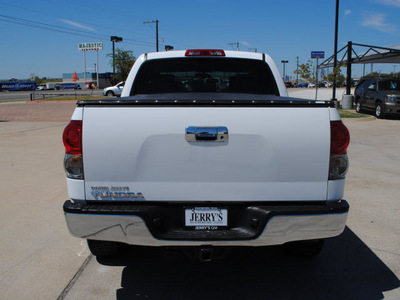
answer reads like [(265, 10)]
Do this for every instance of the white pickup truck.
[(205, 148)]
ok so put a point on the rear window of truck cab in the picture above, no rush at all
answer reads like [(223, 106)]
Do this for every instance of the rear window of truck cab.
[(208, 75)]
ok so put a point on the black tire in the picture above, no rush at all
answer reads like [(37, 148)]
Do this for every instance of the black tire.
[(107, 248), (110, 94), (309, 248), (379, 111)]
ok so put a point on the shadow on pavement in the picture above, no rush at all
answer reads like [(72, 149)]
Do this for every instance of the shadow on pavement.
[(346, 269)]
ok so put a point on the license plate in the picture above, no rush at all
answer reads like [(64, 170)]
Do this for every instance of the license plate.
[(206, 216)]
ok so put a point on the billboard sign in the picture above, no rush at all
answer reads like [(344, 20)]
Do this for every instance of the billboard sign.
[(17, 85), (317, 54), (90, 46)]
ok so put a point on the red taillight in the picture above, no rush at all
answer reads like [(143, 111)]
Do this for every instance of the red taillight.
[(340, 138), (204, 52), (72, 138)]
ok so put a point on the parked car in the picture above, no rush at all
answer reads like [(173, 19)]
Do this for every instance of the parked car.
[(353, 83), (115, 90), (381, 95), (67, 86), (41, 87), (359, 89), (311, 85), (303, 84), (288, 84)]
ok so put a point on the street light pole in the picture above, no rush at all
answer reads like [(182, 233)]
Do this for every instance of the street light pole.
[(114, 39), (284, 62), (84, 71), (113, 43), (297, 72), (335, 50)]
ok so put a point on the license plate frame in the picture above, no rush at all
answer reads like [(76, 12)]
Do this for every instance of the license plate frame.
[(206, 218)]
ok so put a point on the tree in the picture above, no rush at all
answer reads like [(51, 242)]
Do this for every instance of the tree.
[(383, 75), (304, 71), (339, 76), (124, 61), (38, 80)]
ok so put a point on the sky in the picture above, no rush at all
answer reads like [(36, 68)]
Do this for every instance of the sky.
[(41, 37)]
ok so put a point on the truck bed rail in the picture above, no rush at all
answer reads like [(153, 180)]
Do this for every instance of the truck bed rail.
[(208, 99)]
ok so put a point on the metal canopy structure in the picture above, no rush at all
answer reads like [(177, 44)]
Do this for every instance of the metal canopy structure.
[(374, 55)]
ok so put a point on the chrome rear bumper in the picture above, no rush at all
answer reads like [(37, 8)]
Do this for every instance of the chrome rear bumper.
[(250, 225)]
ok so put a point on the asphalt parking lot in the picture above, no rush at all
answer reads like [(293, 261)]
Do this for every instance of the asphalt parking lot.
[(40, 260)]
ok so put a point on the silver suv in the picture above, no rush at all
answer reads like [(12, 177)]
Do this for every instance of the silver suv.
[(115, 90)]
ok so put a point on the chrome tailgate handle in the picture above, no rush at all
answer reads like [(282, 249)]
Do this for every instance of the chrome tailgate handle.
[(211, 134)]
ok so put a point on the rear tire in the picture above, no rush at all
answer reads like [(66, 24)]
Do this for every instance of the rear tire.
[(358, 106), (308, 248), (107, 248)]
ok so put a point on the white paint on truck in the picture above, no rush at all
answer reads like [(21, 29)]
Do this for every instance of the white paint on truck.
[(272, 153)]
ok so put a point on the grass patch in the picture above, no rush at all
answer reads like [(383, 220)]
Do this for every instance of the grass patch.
[(350, 113)]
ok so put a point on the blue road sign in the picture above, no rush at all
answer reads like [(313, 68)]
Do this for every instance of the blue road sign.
[(317, 54)]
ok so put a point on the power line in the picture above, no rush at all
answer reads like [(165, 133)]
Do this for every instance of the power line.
[(65, 30), (50, 27), (63, 17)]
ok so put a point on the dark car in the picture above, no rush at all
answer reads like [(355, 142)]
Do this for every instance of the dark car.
[(67, 86), (288, 84), (381, 95)]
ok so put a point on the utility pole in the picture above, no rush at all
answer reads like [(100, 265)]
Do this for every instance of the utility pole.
[(253, 49), (156, 21), (237, 45)]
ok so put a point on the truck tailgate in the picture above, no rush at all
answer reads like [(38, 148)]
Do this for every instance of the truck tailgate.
[(271, 154)]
